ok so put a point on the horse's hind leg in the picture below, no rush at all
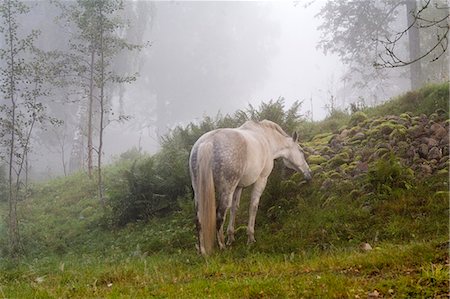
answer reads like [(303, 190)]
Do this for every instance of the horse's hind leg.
[(225, 199), (233, 211)]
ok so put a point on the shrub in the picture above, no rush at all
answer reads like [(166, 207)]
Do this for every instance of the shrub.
[(388, 177)]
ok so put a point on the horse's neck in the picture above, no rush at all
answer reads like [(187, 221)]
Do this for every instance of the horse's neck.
[(276, 143)]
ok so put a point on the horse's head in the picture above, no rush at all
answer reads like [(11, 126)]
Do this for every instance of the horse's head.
[(294, 157)]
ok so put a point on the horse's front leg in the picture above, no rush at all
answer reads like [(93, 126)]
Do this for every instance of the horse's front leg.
[(258, 189), (233, 211)]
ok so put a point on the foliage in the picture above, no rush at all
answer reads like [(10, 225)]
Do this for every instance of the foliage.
[(387, 176), (153, 186)]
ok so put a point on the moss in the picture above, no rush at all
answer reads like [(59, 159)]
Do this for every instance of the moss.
[(322, 138), (353, 131), (348, 168), (357, 118), (326, 150), (399, 134), (338, 160), (405, 116), (387, 127), (315, 168), (316, 159)]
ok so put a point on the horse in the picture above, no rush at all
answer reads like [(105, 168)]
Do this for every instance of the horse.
[(224, 161)]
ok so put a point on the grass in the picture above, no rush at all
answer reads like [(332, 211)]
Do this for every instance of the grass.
[(417, 269)]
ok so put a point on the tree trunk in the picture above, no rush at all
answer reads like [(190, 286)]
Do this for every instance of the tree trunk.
[(14, 239), (102, 112), (76, 160), (414, 45), (90, 113)]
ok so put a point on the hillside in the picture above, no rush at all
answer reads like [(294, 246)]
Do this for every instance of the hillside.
[(372, 223)]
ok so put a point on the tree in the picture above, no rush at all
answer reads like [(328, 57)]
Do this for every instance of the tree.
[(23, 74), (94, 48), (367, 36), (432, 21)]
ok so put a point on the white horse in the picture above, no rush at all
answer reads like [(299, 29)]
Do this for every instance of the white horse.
[(227, 160)]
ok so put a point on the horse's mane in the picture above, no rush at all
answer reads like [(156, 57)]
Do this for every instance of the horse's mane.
[(271, 125)]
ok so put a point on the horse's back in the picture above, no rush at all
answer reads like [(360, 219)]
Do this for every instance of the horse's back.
[(238, 154), (229, 151)]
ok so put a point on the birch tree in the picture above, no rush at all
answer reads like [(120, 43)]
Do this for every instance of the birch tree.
[(23, 73), (95, 46)]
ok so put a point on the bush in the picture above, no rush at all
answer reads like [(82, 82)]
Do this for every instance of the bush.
[(138, 195), (388, 177)]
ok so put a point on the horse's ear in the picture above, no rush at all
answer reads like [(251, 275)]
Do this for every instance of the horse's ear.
[(295, 136)]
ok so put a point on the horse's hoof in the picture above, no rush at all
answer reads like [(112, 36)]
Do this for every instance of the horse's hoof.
[(251, 240)]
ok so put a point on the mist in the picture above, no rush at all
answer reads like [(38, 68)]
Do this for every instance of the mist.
[(199, 59), (217, 57)]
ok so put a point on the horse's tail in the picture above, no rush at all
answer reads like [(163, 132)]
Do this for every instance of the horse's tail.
[(206, 201)]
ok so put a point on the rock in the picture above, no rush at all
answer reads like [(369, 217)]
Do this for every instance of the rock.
[(386, 128), (432, 142), (362, 167), (416, 131), (423, 150), (438, 131), (365, 247), (336, 143), (344, 134), (359, 136), (444, 141), (410, 153), (434, 153), (353, 131)]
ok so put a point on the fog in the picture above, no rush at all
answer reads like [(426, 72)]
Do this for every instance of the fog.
[(199, 58), (210, 57)]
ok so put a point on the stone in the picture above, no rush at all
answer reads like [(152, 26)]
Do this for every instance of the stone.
[(434, 153), (359, 136), (431, 142), (365, 247), (444, 141), (362, 166), (438, 131), (423, 150)]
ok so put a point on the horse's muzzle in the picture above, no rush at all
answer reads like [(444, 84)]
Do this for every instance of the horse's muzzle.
[(308, 176)]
